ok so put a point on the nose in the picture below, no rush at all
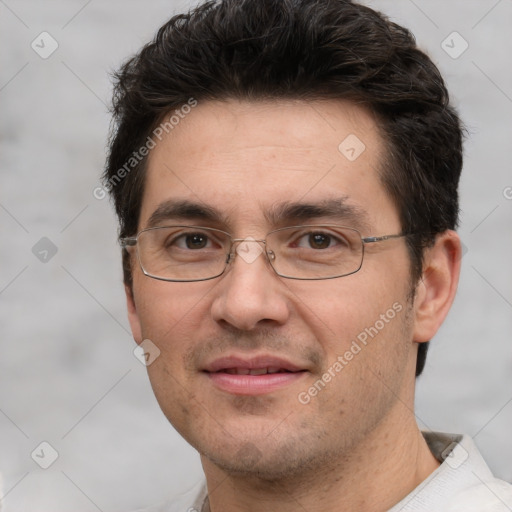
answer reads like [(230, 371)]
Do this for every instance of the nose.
[(250, 294)]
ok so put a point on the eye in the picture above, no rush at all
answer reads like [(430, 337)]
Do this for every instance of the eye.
[(319, 240), (192, 241), (196, 241)]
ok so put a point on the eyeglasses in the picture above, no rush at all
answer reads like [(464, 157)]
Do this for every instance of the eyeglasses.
[(196, 253)]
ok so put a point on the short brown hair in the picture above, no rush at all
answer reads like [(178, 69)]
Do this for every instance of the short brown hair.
[(300, 49)]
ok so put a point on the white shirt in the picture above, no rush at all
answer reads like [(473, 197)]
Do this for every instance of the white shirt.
[(462, 483)]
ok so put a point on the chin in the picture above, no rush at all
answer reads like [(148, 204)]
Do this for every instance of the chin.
[(268, 462)]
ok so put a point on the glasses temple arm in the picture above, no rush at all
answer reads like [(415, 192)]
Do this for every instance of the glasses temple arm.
[(127, 242), (371, 239)]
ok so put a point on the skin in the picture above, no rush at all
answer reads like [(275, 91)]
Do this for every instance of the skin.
[(356, 444)]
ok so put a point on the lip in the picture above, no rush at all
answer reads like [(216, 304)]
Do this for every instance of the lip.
[(250, 363), (252, 384)]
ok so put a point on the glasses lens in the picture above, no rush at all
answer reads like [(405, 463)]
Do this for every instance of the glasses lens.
[(315, 252), (183, 253)]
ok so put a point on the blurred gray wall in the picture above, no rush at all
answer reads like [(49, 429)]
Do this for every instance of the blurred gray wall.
[(68, 374)]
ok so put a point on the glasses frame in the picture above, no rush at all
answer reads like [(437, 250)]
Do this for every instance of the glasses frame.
[(131, 241)]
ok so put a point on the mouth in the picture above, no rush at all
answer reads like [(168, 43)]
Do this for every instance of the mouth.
[(253, 376), (254, 371)]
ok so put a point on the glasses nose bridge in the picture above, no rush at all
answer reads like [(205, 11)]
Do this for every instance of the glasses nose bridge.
[(248, 239), (245, 248)]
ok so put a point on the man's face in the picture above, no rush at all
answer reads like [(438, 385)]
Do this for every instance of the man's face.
[(244, 161)]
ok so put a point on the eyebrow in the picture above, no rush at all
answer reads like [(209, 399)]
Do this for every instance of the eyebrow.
[(184, 210), (281, 214), (337, 209)]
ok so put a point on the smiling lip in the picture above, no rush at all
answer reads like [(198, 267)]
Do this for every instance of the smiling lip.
[(252, 376)]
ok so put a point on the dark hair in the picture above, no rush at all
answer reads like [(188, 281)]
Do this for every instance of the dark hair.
[(297, 49)]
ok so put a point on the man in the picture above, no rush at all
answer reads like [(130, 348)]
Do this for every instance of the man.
[(285, 174)]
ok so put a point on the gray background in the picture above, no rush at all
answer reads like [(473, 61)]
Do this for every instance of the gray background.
[(68, 373)]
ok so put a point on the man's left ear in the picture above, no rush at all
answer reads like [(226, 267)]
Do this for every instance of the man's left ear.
[(133, 316), (436, 289)]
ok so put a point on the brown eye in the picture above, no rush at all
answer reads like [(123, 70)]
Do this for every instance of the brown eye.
[(196, 241), (189, 241), (319, 241)]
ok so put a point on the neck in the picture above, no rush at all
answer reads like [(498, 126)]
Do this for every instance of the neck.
[(373, 477)]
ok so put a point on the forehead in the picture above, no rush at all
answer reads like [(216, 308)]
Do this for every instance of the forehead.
[(247, 160)]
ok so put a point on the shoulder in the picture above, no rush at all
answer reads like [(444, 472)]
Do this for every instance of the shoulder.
[(492, 496), (462, 483)]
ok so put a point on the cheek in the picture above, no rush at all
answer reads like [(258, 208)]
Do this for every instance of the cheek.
[(365, 338), (342, 309), (165, 318), (175, 317), (174, 393), (168, 311), (366, 352), (172, 320)]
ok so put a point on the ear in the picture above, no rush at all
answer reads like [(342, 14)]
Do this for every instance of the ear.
[(437, 287), (133, 316)]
